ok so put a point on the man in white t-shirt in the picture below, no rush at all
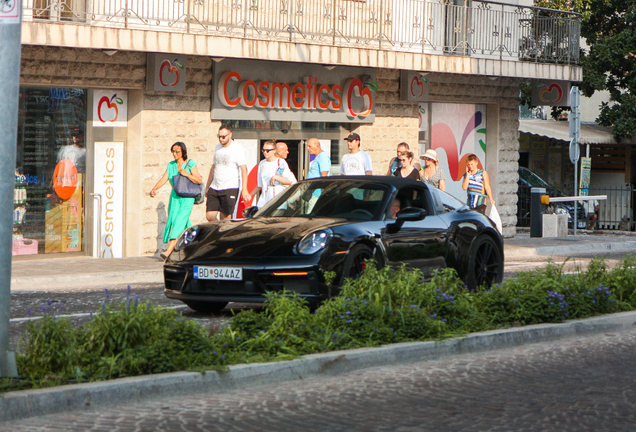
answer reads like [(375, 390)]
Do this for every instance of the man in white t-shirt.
[(75, 152), (357, 162), (274, 175), (227, 173)]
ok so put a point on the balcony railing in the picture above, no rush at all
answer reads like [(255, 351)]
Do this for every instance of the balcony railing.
[(481, 29)]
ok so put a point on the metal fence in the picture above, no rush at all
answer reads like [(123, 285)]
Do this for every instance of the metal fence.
[(470, 28), (615, 213)]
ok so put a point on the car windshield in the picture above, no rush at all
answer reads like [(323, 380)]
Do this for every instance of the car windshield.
[(348, 199), (532, 179)]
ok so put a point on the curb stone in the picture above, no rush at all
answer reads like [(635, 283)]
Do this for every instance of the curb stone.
[(31, 403)]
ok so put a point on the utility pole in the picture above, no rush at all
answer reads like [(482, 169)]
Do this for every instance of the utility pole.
[(575, 150), (10, 28)]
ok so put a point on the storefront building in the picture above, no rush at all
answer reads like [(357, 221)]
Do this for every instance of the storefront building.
[(102, 104), (92, 143)]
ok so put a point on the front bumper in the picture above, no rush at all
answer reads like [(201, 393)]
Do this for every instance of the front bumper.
[(300, 275)]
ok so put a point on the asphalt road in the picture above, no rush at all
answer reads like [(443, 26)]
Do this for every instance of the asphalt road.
[(579, 384)]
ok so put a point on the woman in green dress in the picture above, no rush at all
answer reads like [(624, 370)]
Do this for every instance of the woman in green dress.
[(180, 207)]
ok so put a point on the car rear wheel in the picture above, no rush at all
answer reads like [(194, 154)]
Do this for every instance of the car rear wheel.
[(485, 263), (356, 262), (206, 307)]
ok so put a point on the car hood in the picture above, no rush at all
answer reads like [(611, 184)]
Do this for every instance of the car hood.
[(253, 238)]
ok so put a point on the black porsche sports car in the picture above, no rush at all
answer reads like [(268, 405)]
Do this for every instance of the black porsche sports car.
[(331, 224)]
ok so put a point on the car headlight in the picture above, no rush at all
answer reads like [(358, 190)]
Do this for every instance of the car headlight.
[(312, 243), (186, 238)]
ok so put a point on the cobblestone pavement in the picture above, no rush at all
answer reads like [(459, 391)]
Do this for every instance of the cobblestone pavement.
[(578, 384)]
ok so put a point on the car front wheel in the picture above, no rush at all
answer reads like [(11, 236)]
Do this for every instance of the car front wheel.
[(485, 263), (356, 262)]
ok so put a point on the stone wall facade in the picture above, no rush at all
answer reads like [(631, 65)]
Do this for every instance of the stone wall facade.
[(158, 119)]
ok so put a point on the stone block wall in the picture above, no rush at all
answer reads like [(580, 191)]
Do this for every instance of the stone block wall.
[(396, 121), (168, 118), (84, 68), (502, 94)]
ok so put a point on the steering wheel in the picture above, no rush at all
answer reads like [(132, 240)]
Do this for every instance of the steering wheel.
[(362, 212)]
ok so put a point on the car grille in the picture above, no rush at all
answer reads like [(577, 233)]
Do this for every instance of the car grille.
[(174, 277)]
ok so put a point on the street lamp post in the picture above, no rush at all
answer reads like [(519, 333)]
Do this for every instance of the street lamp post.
[(10, 28)]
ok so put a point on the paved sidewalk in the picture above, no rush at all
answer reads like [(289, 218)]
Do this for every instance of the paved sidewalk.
[(586, 243), (32, 274)]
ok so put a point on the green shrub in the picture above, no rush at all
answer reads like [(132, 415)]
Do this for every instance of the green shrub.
[(51, 349)]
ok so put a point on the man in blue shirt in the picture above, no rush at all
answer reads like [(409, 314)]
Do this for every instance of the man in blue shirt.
[(320, 167), (321, 164)]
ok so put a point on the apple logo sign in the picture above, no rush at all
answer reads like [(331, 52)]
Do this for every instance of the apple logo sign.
[(107, 110), (169, 73)]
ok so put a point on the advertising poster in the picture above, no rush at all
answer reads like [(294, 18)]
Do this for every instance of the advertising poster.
[(586, 170), (458, 130)]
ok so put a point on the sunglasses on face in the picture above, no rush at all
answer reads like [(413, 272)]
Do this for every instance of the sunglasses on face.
[(267, 150), (403, 160), (176, 151), (222, 136)]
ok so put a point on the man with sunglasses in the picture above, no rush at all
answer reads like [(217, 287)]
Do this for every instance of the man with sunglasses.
[(273, 176), (227, 173)]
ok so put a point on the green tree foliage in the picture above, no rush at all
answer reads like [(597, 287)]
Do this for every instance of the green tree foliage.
[(610, 61)]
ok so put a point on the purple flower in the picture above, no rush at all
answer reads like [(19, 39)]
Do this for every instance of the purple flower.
[(107, 294)]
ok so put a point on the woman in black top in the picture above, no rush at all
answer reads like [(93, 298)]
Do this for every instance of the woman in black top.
[(407, 170)]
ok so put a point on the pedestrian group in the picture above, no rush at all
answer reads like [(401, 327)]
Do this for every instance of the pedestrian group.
[(227, 179)]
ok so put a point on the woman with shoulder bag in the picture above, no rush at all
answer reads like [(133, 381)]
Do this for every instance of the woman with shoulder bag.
[(180, 207)]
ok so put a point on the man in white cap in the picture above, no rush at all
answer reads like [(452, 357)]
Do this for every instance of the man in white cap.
[(356, 162), (432, 173)]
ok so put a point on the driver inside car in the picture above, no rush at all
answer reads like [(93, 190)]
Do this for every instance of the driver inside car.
[(395, 208)]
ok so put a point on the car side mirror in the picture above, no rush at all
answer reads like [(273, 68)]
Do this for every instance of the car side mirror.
[(408, 214), (411, 214), (250, 212)]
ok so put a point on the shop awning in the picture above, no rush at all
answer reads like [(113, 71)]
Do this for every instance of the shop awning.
[(560, 130)]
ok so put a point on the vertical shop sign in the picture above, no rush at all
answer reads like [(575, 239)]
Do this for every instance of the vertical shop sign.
[(166, 72), (110, 108), (109, 184)]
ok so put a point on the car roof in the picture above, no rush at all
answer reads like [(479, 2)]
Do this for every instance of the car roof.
[(396, 182)]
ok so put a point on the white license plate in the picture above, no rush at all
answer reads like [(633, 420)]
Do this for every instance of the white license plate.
[(218, 273)]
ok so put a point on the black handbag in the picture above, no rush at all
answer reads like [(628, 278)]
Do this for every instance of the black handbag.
[(184, 187)]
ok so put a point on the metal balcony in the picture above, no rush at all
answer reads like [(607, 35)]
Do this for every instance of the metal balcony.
[(478, 29)]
